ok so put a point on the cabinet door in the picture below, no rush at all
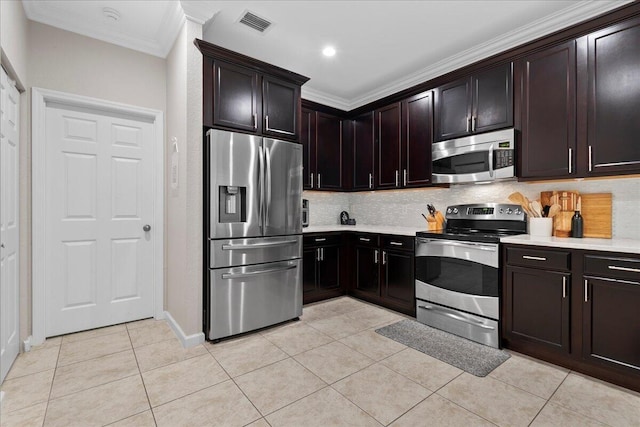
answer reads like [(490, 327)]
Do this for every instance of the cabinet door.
[(328, 152), (280, 105), (613, 102), (453, 109), (310, 257), (329, 268), (363, 152), (388, 135), (549, 112), (418, 137), (537, 308), (366, 266), (398, 284), (308, 141), (492, 99), (610, 325), (235, 97)]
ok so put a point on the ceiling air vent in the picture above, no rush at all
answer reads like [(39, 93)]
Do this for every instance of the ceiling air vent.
[(254, 21)]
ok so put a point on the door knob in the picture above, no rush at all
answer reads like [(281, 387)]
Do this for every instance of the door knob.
[(147, 227)]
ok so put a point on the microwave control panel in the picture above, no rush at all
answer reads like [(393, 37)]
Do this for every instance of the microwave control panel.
[(502, 159)]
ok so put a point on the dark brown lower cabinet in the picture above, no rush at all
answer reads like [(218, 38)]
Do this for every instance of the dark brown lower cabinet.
[(574, 308), (539, 305), (383, 271), (322, 259)]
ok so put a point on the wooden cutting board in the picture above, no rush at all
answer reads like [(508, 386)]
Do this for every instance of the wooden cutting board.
[(568, 201), (596, 214)]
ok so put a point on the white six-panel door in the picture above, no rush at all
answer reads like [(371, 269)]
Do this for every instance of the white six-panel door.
[(9, 237), (99, 197)]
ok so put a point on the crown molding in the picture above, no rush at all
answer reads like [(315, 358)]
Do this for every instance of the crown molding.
[(326, 98), (198, 11), (567, 17)]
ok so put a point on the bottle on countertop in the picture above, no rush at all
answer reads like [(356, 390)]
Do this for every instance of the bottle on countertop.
[(577, 225)]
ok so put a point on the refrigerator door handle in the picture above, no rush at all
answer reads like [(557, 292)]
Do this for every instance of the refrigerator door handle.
[(256, 273), (267, 207), (258, 245), (261, 187)]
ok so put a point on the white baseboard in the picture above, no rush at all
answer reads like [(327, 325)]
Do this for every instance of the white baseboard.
[(187, 340), (27, 344)]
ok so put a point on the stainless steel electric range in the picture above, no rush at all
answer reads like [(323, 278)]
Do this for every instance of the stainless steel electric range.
[(458, 270)]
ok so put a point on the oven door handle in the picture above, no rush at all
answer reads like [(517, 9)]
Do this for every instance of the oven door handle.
[(456, 316), (479, 246)]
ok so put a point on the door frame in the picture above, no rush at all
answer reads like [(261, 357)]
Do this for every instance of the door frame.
[(40, 98)]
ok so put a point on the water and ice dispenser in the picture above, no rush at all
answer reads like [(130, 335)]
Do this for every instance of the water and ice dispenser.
[(232, 203)]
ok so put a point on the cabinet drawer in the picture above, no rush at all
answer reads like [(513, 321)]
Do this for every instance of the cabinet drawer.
[(614, 267), (322, 239), (530, 257), (366, 240), (398, 242)]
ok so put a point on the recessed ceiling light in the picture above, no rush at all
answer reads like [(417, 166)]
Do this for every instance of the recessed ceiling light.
[(329, 51)]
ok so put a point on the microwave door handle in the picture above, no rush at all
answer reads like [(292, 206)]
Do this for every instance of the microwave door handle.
[(491, 160)]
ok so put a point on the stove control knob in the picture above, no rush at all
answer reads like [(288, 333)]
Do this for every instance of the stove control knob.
[(517, 211), (455, 210), (449, 210), (509, 211), (501, 210)]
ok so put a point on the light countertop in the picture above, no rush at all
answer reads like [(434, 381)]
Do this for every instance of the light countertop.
[(379, 229), (587, 243)]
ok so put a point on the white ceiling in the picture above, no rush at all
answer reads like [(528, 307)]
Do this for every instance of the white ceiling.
[(382, 46)]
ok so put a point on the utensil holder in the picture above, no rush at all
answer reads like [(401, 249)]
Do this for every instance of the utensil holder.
[(540, 227)]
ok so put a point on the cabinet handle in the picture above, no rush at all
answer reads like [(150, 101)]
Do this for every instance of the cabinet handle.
[(311, 180), (404, 173), (384, 257), (570, 160), (396, 243), (317, 254), (321, 239), (318, 181), (370, 180), (564, 287), (266, 122), (468, 121), (586, 291), (473, 123), (397, 178), (255, 121), (365, 239), (375, 256), (629, 269), (590, 159), (321, 254), (534, 258)]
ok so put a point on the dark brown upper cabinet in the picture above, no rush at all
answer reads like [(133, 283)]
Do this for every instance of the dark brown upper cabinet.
[(613, 103), (474, 104), (244, 94), (547, 97), (308, 141), (363, 143), (388, 141), (328, 152), (417, 139), (235, 97)]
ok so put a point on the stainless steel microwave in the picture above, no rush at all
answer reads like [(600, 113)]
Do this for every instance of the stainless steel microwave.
[(478, 158)]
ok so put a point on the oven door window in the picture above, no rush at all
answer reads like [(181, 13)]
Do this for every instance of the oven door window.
[(458, 275), (466, 163)]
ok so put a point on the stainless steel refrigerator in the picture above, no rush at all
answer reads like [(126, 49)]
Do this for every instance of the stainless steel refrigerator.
[(254, 233)]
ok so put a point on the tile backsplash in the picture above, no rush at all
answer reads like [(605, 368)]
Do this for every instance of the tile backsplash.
[(403, 207)]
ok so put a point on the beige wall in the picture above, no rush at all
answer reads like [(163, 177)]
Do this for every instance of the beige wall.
[(67, 62), (14, 38), (184, 205)]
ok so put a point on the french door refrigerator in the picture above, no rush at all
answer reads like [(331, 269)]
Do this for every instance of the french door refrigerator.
[(254, 233)]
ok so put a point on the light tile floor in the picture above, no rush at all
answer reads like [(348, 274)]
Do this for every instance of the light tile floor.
[(329, 369)]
